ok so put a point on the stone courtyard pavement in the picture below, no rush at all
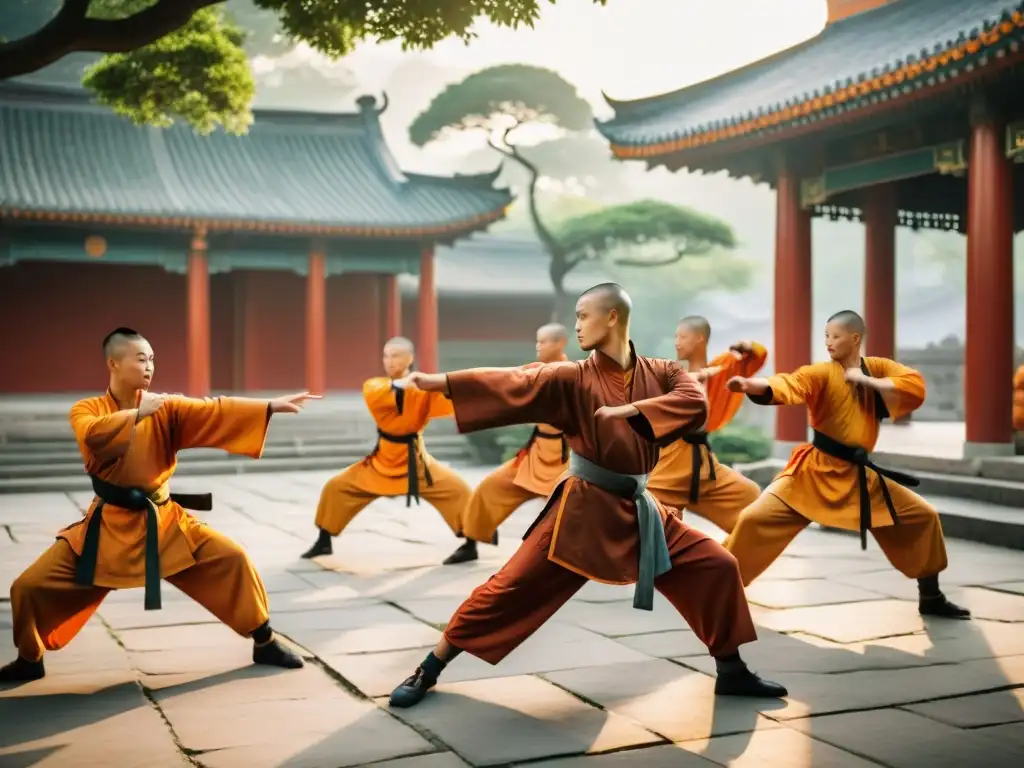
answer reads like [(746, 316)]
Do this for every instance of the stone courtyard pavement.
[(601, 685)]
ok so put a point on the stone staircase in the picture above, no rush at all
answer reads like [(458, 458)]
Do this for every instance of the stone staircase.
[(38, 452)]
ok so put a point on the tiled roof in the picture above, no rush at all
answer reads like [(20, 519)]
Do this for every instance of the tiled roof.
[(879, 54), (63, 157)]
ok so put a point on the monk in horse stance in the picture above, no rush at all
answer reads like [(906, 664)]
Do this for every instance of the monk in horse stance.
[(136, 531), (399, 464), (616, 409), (688, 474), (832, 481), (531, 474)]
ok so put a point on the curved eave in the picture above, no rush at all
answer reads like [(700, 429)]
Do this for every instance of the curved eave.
[(994, 48), (441, 231)]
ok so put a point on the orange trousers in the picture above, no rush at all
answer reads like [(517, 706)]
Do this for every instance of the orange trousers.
[(720, 500), (704, 586), (493, 501), (49, 608)]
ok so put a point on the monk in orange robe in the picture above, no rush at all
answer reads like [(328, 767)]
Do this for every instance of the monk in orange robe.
[(616, 409), (688, 474), (1018, 400), (531, 474), (136, 531), (399, 464), (832, 481)]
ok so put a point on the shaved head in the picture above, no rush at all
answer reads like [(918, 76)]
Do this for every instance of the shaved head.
[(850, 320), (118, 341), (697, 324), (401, 343), (553, 331), (611, 296)]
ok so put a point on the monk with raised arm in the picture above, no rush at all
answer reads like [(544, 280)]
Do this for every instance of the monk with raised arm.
[(399, 464), (615, 408), (531, 474), (136, 531), (688, 474), (832, 481)]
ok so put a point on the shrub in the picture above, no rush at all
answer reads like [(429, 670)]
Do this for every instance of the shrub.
[(740, 445), (494, 446)]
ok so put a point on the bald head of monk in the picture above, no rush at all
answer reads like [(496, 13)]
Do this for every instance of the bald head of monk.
[(399, 354), (551, 341), (692, 336), (844, 332), (602, 315), (129, 359)]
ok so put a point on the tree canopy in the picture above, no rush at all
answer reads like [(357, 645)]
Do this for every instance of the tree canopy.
[(171, 59)]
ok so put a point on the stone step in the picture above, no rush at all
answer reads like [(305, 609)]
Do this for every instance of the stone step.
[(1010, 468), (444, 448)]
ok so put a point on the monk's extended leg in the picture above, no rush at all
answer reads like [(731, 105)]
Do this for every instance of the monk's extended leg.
[(225, 582), (721, 500), (500, 614), (343, 497), (917, 549), (704, 585), (492, 502), (49, 609), (762, 532)]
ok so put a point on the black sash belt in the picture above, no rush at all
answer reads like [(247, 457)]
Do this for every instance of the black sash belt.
[(412, 443), (539, 434), (699, 440), (857, 455), (138, 500)]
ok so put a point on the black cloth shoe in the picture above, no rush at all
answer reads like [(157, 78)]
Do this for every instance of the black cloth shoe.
[(939, 605), (743, 682), (494, 539), (412, 690), (464, 554), (322, 547), (21, 671), (273, 654)]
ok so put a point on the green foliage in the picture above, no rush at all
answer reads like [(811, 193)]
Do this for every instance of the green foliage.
[(740, 445), (198, 73), (502, 97), (496, 446), (642, 223)]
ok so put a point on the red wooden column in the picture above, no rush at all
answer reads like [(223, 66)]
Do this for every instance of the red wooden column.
[(316, 321), (988, 363), (792, 299), (426, 352), (392, 306), (198, 318), (880, 216)]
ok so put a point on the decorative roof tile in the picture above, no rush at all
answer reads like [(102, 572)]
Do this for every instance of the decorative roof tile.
[(63, 157), (881, 53)]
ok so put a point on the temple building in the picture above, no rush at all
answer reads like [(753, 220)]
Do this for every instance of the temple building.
[(899, 113), (260, 262)]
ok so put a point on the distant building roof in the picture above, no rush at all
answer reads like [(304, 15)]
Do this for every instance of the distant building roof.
[(66, 158), (492, 264), (876, 55)]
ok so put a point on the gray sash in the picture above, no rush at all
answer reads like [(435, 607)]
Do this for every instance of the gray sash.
[(654, 555)]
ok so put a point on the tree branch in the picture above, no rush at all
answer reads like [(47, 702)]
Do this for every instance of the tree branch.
[(71, 31), (679, 255)]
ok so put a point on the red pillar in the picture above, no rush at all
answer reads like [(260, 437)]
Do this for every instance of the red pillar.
[(316, 321), (792, 297), (988, 363), (880, 216), (426, 352), (392, 306), (198, 320)]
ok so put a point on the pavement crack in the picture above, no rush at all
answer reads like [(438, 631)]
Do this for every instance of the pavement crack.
[(10, 534)]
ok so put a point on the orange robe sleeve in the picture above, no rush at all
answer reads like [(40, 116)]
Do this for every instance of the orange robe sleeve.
[(723, 404), (440, 406), (484, 398), (801, 387), (682, 409), (101, 437), (233, 424), (908, 390)]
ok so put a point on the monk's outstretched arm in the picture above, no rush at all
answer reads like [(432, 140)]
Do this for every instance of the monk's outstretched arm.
[(484, 398), (234, 424), (800, 387), (902, 388), (102, 437), (683, 409)]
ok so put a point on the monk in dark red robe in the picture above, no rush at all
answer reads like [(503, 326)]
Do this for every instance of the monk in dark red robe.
[(615, 409)]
